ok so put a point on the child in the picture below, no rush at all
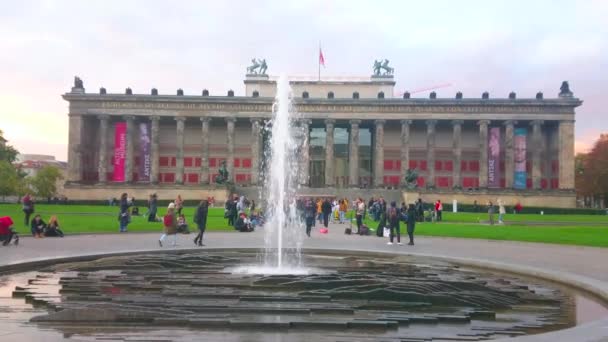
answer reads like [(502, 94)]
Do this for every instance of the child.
[(37, 227), (182, 226)]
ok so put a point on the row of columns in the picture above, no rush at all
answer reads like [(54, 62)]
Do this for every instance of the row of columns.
[(565, 158), (565, 138), (179, 144)]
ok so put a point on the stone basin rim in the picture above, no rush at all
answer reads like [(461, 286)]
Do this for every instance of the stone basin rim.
[(596, 289)]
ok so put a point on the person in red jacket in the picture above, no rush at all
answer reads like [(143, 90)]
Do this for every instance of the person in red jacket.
[(7, 233), (438, 209)]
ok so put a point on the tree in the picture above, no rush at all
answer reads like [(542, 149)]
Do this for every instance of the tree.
[(9, 179), (7, 152), (44, 183), (591, 170)]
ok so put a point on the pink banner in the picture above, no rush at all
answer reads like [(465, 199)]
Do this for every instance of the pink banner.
[(494, 158), (120, 151)]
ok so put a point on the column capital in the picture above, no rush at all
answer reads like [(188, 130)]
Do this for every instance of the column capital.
[(206, 119), (154, 118), (305, 121), (457, 122), (255, 120), (536, 122), (103, 117), (129, 117), (406, 122), (330, 121), (567, 121), (509, 122), (354, 122), (230, 119), (483, 122), (180, 118), (431, 122), (379, 122)]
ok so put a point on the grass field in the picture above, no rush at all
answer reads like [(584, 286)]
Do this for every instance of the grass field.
[(571, 230)]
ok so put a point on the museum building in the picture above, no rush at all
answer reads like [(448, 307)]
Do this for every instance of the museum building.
[(356, 134)]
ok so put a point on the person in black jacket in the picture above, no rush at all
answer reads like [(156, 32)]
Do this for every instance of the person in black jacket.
[(326, 210), (200, 218), (152, 208), (37, 227), (393, 222), (309, 215), (124, 216), (411, 223)]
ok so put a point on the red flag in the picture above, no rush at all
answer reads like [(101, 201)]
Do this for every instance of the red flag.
[(321, 58)]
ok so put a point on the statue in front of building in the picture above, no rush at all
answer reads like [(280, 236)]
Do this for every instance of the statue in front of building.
[(411, 178), (222, 177), (380, 65), (257, 67), (78, 83)]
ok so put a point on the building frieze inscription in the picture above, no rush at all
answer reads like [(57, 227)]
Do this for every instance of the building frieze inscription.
[(323, 108)]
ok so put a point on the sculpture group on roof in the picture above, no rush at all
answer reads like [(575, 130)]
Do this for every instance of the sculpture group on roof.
[(257, 67), (380, 65)]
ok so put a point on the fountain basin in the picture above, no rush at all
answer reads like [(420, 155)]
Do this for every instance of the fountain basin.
[(343, 295)]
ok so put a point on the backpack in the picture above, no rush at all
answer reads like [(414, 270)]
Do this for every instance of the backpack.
[(168, 220), (392, 214)]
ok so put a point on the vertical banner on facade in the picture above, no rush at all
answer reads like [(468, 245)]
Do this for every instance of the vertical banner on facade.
[(145, 160), (519, 145), (120, 150), (494, 158)]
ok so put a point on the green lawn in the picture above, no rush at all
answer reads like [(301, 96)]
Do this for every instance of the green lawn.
[(103, 219)]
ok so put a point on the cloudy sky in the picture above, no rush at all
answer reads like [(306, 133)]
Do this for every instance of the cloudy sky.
[(498, 46)]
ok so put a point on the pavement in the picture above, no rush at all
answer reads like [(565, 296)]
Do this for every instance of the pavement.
[(584, 268)]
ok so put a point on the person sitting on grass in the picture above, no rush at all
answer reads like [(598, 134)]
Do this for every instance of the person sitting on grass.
[(37, 227), (7, 233), (52, 229), (182, 225), (243, 224)]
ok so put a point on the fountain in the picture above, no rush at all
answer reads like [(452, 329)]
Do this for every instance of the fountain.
[(283, 230)]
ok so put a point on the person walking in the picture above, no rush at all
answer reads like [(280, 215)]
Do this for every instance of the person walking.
[(319, 211), (169, 225), (309, 215), (28, 208), (200, 218), (501, 211), (491, 212), (124, 216), (326, 210), (393, 221), (153, 208), (342, 210), (179, 204), (411, 223)]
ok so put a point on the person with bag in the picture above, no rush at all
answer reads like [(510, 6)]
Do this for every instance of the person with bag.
[(169, 225), (411, 223), (28, 208), (326, 208), (123, 217), (393, 221), (200, 218)]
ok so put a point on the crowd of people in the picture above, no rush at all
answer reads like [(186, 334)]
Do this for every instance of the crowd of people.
[(243, 214)]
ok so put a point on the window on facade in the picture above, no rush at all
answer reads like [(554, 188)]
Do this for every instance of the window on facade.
[(188, 162), (388, 164), (305, 95), (197, 162), (246, 163), (413, 164), (330, 95), (438, 165), (173, 161), (163, 161), (192, 178), (448, 165), (423, 165), (237, 162), (212, 162)]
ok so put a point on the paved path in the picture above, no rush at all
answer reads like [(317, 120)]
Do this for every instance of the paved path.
[(587, 265)]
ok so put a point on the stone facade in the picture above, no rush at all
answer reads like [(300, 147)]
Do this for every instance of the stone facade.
[(367, 141)]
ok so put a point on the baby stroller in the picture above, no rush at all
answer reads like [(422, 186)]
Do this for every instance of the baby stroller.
[(7, 233)]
